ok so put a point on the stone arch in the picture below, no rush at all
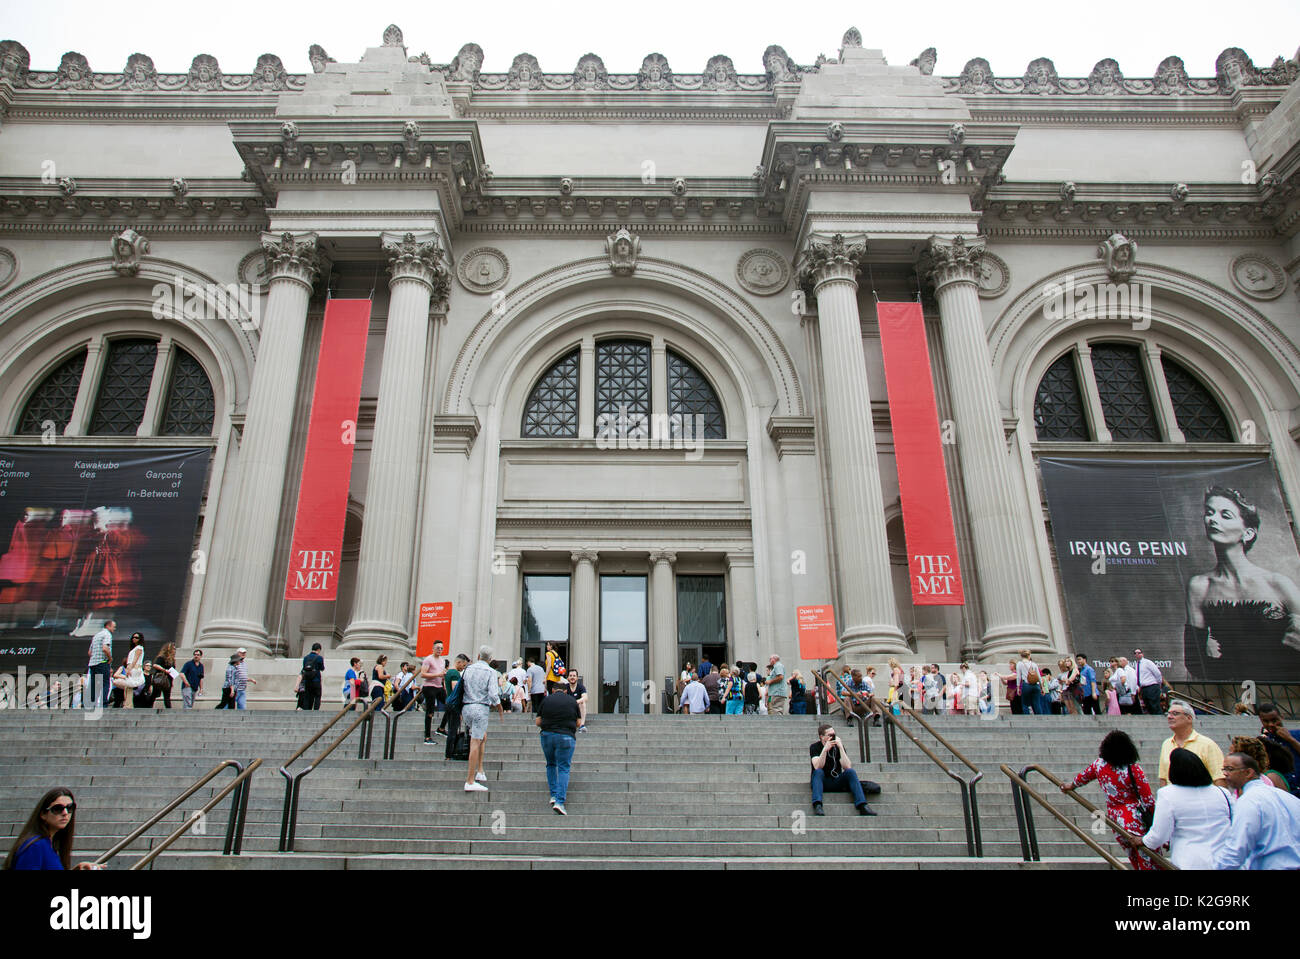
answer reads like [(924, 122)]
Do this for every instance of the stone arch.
[(52, 314), (744, 343)]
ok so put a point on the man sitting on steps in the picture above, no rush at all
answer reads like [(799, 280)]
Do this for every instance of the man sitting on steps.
[(832, 771)]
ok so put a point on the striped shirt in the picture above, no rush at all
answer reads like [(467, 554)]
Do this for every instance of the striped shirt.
[(241, 676)]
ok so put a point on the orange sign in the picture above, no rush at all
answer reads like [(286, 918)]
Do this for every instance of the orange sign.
[(435, 627), (817, 636)]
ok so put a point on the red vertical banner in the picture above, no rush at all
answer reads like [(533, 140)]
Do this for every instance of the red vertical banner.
[(435, 627), (314, 558), (923, 485)]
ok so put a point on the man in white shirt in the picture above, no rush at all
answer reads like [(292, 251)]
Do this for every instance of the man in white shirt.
[(536, 684), (518, 673), (1130, 684), (695, 698), (1265, 831), (101, 666), (971, 690), (1149, 681)]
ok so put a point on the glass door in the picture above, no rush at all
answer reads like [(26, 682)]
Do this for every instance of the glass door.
[(624, 644), (623, 687)]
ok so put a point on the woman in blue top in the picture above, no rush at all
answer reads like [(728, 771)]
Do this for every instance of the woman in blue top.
[(45, 842)]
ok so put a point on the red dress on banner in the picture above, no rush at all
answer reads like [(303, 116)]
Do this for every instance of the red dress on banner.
[(1127, 790), (110, 578), (20, 568)]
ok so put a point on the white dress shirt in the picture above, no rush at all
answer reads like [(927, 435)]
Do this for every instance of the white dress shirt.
[(1194, 820), (1147, 673)]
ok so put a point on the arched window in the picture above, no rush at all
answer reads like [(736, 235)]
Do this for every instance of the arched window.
[(1199, 415), (689, 395), (622, 379), (1132, 383), (1058, 405), (1125, 398), (190, 408), (54, 399), (124, 388), (552, 407)]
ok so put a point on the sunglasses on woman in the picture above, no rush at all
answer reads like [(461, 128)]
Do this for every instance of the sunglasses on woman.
[(59, 809)]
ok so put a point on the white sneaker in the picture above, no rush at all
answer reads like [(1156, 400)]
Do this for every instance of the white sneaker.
[(475, 788), (479, 777), (552, 802)]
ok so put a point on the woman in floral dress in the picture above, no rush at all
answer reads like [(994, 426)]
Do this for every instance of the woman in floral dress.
[(1127, 791)]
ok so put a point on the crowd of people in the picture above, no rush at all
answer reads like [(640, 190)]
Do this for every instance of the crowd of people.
[(1210, 811)]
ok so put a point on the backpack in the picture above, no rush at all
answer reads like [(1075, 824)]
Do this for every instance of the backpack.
[(310, 674), (558, 667), (1031, 677)]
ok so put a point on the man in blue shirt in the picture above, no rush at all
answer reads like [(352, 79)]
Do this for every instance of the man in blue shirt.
[(192, 679), (705, 666), (1087, 685), (1265, 832)]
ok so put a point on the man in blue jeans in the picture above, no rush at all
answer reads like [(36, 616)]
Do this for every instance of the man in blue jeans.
[(832, 771), (558, 719)]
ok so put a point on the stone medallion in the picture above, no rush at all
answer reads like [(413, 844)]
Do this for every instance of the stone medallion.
[(1257, 276), (763, 272), (8, 267), (252, 270), (995, 276), (483, 270)]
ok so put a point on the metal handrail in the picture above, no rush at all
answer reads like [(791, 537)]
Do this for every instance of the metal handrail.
[(240, 782), (1029, 834), (1198, 703), (969, 801), (390, 726), (238, 810), (852, 718), (293, 782)]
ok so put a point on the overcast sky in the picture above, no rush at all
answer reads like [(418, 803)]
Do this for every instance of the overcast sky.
[(1139, 33)]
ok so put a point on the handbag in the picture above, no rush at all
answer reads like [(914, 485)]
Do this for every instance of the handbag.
[(1146, 814)]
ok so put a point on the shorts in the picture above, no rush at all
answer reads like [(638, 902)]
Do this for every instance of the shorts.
[(475, 718)]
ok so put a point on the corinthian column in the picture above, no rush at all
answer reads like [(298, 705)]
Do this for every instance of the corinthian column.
[(663, 639), (245, 576), (381, 609), (868, 618), (583, 628), (1012, 615)]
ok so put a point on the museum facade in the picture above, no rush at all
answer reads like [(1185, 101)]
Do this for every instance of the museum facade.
[(623, 385)]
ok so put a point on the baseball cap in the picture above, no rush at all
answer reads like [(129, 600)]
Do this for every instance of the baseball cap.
[(241, 649)]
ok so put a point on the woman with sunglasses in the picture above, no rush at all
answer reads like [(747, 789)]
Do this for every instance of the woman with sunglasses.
[(45, 842)]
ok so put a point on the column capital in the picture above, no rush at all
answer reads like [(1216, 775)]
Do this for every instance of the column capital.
[(419, 258), (658, 556), (825, 259), (292, 256), (589, 555), (955, 260)]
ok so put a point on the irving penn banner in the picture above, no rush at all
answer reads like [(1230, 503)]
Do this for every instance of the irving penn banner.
[(932, 564), (327, 466)]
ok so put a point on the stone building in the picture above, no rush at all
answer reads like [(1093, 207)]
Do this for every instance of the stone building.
[(548, 250)]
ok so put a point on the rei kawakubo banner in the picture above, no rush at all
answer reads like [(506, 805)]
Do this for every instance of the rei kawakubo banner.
[(1188, 558), (314, 558), (932, 565)]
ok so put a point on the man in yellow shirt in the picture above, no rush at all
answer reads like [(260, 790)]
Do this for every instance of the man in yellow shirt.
[(1181, 721)]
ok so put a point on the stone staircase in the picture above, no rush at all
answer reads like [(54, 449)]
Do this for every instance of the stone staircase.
[(657, 792)]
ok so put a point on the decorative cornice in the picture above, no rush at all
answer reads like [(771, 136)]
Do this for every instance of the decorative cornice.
[(292, 257), (102, 198), (796, 435), (955, 260), (454, 432)]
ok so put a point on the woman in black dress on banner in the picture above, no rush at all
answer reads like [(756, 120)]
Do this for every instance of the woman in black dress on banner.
[(1242, 619)]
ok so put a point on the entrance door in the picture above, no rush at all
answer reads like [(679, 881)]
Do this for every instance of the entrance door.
[(623, 679)]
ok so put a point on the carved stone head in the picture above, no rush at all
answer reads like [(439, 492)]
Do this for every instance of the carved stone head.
[(14, 62), (590, 73), (465, 67), (393, 36), (720, 73), (128, 247), (74, 72), (179, 186), (1040, 77), (566, 185), (269, 74), (205, 74), (1171, 76), (318, 57), (1179, 193), (288, 130), (926, 61), (655, 73), (1105, 78), (140, 73), (1234, 70), (957, 133), (1068, 190), (1120, 256), (679, 186), (623, 248), (835, 131), (525, 73), (976, 77), (778, 65)]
